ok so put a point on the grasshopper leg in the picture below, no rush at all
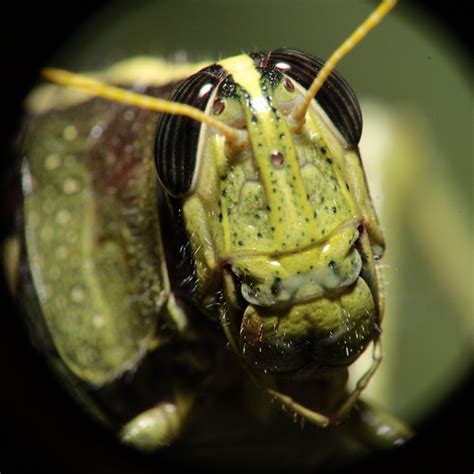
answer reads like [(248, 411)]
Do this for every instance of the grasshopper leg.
[(163, 423), (314, 417), (321, 419), (352, 398), (158, 426)]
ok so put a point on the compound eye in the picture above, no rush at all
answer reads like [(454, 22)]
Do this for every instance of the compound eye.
[(177, 137), (336, 97)]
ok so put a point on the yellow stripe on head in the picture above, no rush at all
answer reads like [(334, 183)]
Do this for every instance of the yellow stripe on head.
[(290, 215)]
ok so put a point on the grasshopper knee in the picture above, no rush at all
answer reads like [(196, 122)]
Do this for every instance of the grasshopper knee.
[(153, 429)]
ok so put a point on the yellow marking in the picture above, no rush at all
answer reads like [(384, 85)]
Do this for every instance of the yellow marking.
[(291, 215), (117, 94), (371, 22), (150, 71), (243, 70)]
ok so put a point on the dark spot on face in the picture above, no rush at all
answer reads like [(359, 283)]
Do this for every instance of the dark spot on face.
[(288, 85), (276, 286), (218, 106), (334, 209), (240, 243), (329, 160), (323, 150), (332, 265), (220, 216), (277, 159)]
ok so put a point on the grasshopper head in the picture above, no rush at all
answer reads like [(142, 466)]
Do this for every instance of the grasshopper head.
[(277, 216)]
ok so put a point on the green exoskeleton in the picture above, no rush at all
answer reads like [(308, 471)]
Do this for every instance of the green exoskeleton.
[(206, 220)]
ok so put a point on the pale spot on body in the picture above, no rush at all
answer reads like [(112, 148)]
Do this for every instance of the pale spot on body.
[(71, 185), (52, 161), (78, 294), (70, 133), (98, 320), (63, 216)]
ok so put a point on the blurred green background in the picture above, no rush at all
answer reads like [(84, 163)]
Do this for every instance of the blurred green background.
[(416, 96)]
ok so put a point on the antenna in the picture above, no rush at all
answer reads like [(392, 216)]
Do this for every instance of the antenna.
[(358, 35), (236, 137)]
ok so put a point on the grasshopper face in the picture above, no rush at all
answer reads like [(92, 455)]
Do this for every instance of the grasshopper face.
[(278, 223)]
